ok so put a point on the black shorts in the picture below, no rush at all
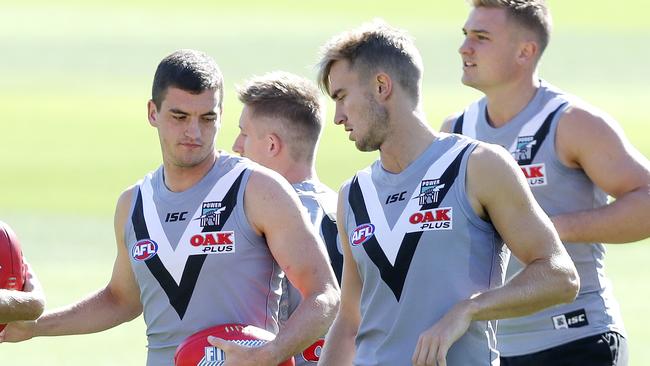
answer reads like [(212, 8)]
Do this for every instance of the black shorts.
[(607, 349)]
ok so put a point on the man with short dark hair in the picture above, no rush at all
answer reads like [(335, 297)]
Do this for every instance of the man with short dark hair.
[(573, 156), (204, 240), (280, 126), (421, 228)]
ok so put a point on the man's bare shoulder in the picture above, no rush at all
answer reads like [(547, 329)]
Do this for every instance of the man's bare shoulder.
[(582, 117)]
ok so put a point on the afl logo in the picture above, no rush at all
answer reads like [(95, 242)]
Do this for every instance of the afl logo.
[(144, 249), (362, 234)]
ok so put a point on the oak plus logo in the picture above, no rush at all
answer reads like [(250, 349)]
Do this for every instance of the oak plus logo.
[(435, 219), (535, 174), (220, 242)]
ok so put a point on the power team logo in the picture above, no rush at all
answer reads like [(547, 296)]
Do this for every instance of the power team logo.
[(429, 191), (214, 243), (436, 219), (524, 150), (211, 214), (362, 234), (535, 174), (144, 249)]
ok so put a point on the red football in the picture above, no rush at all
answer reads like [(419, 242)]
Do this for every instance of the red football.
[(195, 350), (12, 270)]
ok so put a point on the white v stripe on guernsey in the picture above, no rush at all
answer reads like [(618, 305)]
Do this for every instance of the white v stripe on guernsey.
[(174, 260), (390, 239), (534, 124), (470, 120)]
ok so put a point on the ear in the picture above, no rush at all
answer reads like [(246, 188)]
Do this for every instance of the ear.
[(275, 144), (152, 113), (528, 52), (383, 86)]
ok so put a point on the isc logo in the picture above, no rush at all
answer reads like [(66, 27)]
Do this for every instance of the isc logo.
[(438, 219), (574, 319), (362, 234), (217, 242), (144, 249), (535, 174)]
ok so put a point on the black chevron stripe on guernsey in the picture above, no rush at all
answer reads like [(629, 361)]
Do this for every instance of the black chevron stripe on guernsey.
[(394, 276), (539, 137), (330, 233), (180, 295), (458, 124)]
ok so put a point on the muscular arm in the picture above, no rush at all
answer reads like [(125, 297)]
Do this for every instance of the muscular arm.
[(274, 210), (339, 345), (112, 305), (595, 143), (22, 305), (497, 190)]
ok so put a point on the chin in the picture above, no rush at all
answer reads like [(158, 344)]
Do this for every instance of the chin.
[(467, 81), (365, 147)]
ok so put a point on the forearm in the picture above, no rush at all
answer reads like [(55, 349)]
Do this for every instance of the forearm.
[(99, 311), (307, 323), (19, 305), (339, 346), (622, 221), (542, 283)]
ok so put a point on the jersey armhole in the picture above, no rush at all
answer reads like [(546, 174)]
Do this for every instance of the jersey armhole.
[(461, 194), (241, 220)]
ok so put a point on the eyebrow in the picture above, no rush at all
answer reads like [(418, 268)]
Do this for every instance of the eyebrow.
[(475, 31), (335, 93), (178, 111)]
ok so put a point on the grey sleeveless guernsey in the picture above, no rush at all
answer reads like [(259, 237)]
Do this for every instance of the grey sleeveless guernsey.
[(530, 137), (420, 249), (196, 259), (320, 202)]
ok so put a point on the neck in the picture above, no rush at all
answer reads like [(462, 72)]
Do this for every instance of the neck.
[(505, 102), (179, 179), (406, 141), (296, 172)]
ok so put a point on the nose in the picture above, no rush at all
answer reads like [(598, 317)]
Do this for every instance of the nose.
[(339, 116), (193, 130), (238, 146), (464, 48)]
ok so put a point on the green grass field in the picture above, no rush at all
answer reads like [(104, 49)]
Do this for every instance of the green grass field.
[(75, 78)]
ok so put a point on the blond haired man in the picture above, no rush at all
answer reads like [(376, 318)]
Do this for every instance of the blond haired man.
[(421, 228), (280, 127), (572, 156)]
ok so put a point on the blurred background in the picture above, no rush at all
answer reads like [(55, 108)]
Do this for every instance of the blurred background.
[(75, 77)]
